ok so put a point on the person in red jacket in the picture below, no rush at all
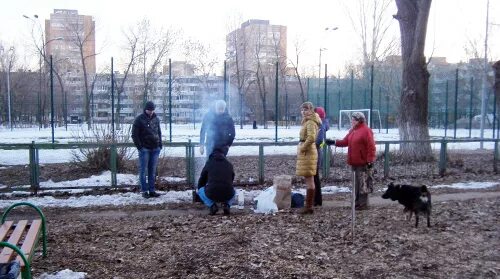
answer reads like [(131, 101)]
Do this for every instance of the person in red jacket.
[(360, 156)]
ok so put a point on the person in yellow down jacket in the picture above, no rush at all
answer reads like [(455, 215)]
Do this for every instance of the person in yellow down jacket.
[(307, 155)]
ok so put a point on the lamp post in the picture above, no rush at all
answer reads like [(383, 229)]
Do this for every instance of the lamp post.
[(42, 56), (9, 66), (321, 49), (484, 94)]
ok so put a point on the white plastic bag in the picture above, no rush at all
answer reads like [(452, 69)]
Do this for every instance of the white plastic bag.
[(265, 201)]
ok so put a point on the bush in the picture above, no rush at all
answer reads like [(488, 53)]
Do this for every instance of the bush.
[(98, 159)]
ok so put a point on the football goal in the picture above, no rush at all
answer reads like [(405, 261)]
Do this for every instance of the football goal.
[(345, 117)]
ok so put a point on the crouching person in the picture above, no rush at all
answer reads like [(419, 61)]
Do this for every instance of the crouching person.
[(216, 182)]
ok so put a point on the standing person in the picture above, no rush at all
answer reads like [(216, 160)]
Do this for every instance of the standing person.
[(325, 126), (216, 182), (360, 156), (217, 130), (307, 155), (146, 134)]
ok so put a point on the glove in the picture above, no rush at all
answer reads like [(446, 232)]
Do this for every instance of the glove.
[(369, 165), (330, 141)]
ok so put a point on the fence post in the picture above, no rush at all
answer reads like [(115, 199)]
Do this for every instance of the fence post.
[(326, 160), (386, 160), (442, 157), (261, 163), (495, 157), (113, 165), (193, 166), (34, 168), (188, 162)]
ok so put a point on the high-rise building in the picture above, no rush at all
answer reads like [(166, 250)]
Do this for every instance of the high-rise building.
[(256, 41), (70, 34), (69, 37)]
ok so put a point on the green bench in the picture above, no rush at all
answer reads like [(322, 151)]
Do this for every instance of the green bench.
[(19, 239)]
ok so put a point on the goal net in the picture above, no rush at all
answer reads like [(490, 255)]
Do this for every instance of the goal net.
[(345, 117)]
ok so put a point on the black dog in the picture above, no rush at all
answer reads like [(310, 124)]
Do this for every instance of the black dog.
[(411, 198)]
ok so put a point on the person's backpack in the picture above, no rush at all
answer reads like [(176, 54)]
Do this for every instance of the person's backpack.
[(297, 200)]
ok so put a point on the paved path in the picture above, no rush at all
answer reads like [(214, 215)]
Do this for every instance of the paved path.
[(374, 201), (377, 200)]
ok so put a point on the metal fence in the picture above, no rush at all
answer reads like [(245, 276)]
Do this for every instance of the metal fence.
[(446, 151)]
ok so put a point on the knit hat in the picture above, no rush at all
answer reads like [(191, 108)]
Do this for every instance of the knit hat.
[(359, 116), (149, 106), (320, 111)]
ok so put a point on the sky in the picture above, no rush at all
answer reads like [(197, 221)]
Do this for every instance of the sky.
[(451, 24)]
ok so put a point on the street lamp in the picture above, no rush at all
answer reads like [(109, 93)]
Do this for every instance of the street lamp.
[(42, 56), (321, 49), (9, 67)]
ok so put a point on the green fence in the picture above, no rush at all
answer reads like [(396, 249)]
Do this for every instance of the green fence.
[(385, 154)]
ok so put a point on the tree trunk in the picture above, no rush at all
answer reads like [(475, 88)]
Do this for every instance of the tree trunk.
[(413, 124)]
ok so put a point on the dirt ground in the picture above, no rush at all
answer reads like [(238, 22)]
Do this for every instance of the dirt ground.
[(182, 241)]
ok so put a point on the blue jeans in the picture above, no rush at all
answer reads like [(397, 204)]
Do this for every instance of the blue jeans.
[(207, 201), (148, 159)]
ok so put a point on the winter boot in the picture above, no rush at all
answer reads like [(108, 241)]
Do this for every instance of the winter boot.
[(318, 199), (225, 208), (308, 209), (213, 209)]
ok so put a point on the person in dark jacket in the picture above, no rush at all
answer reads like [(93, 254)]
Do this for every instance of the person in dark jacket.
[(146, 134), (217, 130), (360, 156), (216, 182), (320, 139)]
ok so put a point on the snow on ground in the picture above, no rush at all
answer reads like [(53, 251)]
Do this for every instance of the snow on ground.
[(133, 198), (183, 133), (64, 274)]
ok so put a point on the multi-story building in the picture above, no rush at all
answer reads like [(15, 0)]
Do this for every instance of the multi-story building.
[(68, 37), (70, 33), (191, 96), (256, 41)]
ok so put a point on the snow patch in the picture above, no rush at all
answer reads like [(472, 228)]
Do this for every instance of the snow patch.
[(64, 274), (468, 185)]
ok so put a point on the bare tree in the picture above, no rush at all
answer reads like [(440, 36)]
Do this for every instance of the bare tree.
[(413, 124), (372, 22), (131, 49), (154, 46), (238, 69), (298, 45), (204, 59), (82, 36)]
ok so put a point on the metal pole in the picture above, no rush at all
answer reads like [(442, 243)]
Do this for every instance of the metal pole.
[(456, 106), (485, 76), (470, 106), (371, 96), (52, 98), (352, 87), (446, 111), (225, 81), (39, 97), (112, 101), (326, 94), (170, 98), (276, 105), (8, 95), (65, 110), (379, 105), (353, 205), (387, 113)]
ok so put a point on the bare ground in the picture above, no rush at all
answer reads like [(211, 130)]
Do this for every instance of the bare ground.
[(181, 241)]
